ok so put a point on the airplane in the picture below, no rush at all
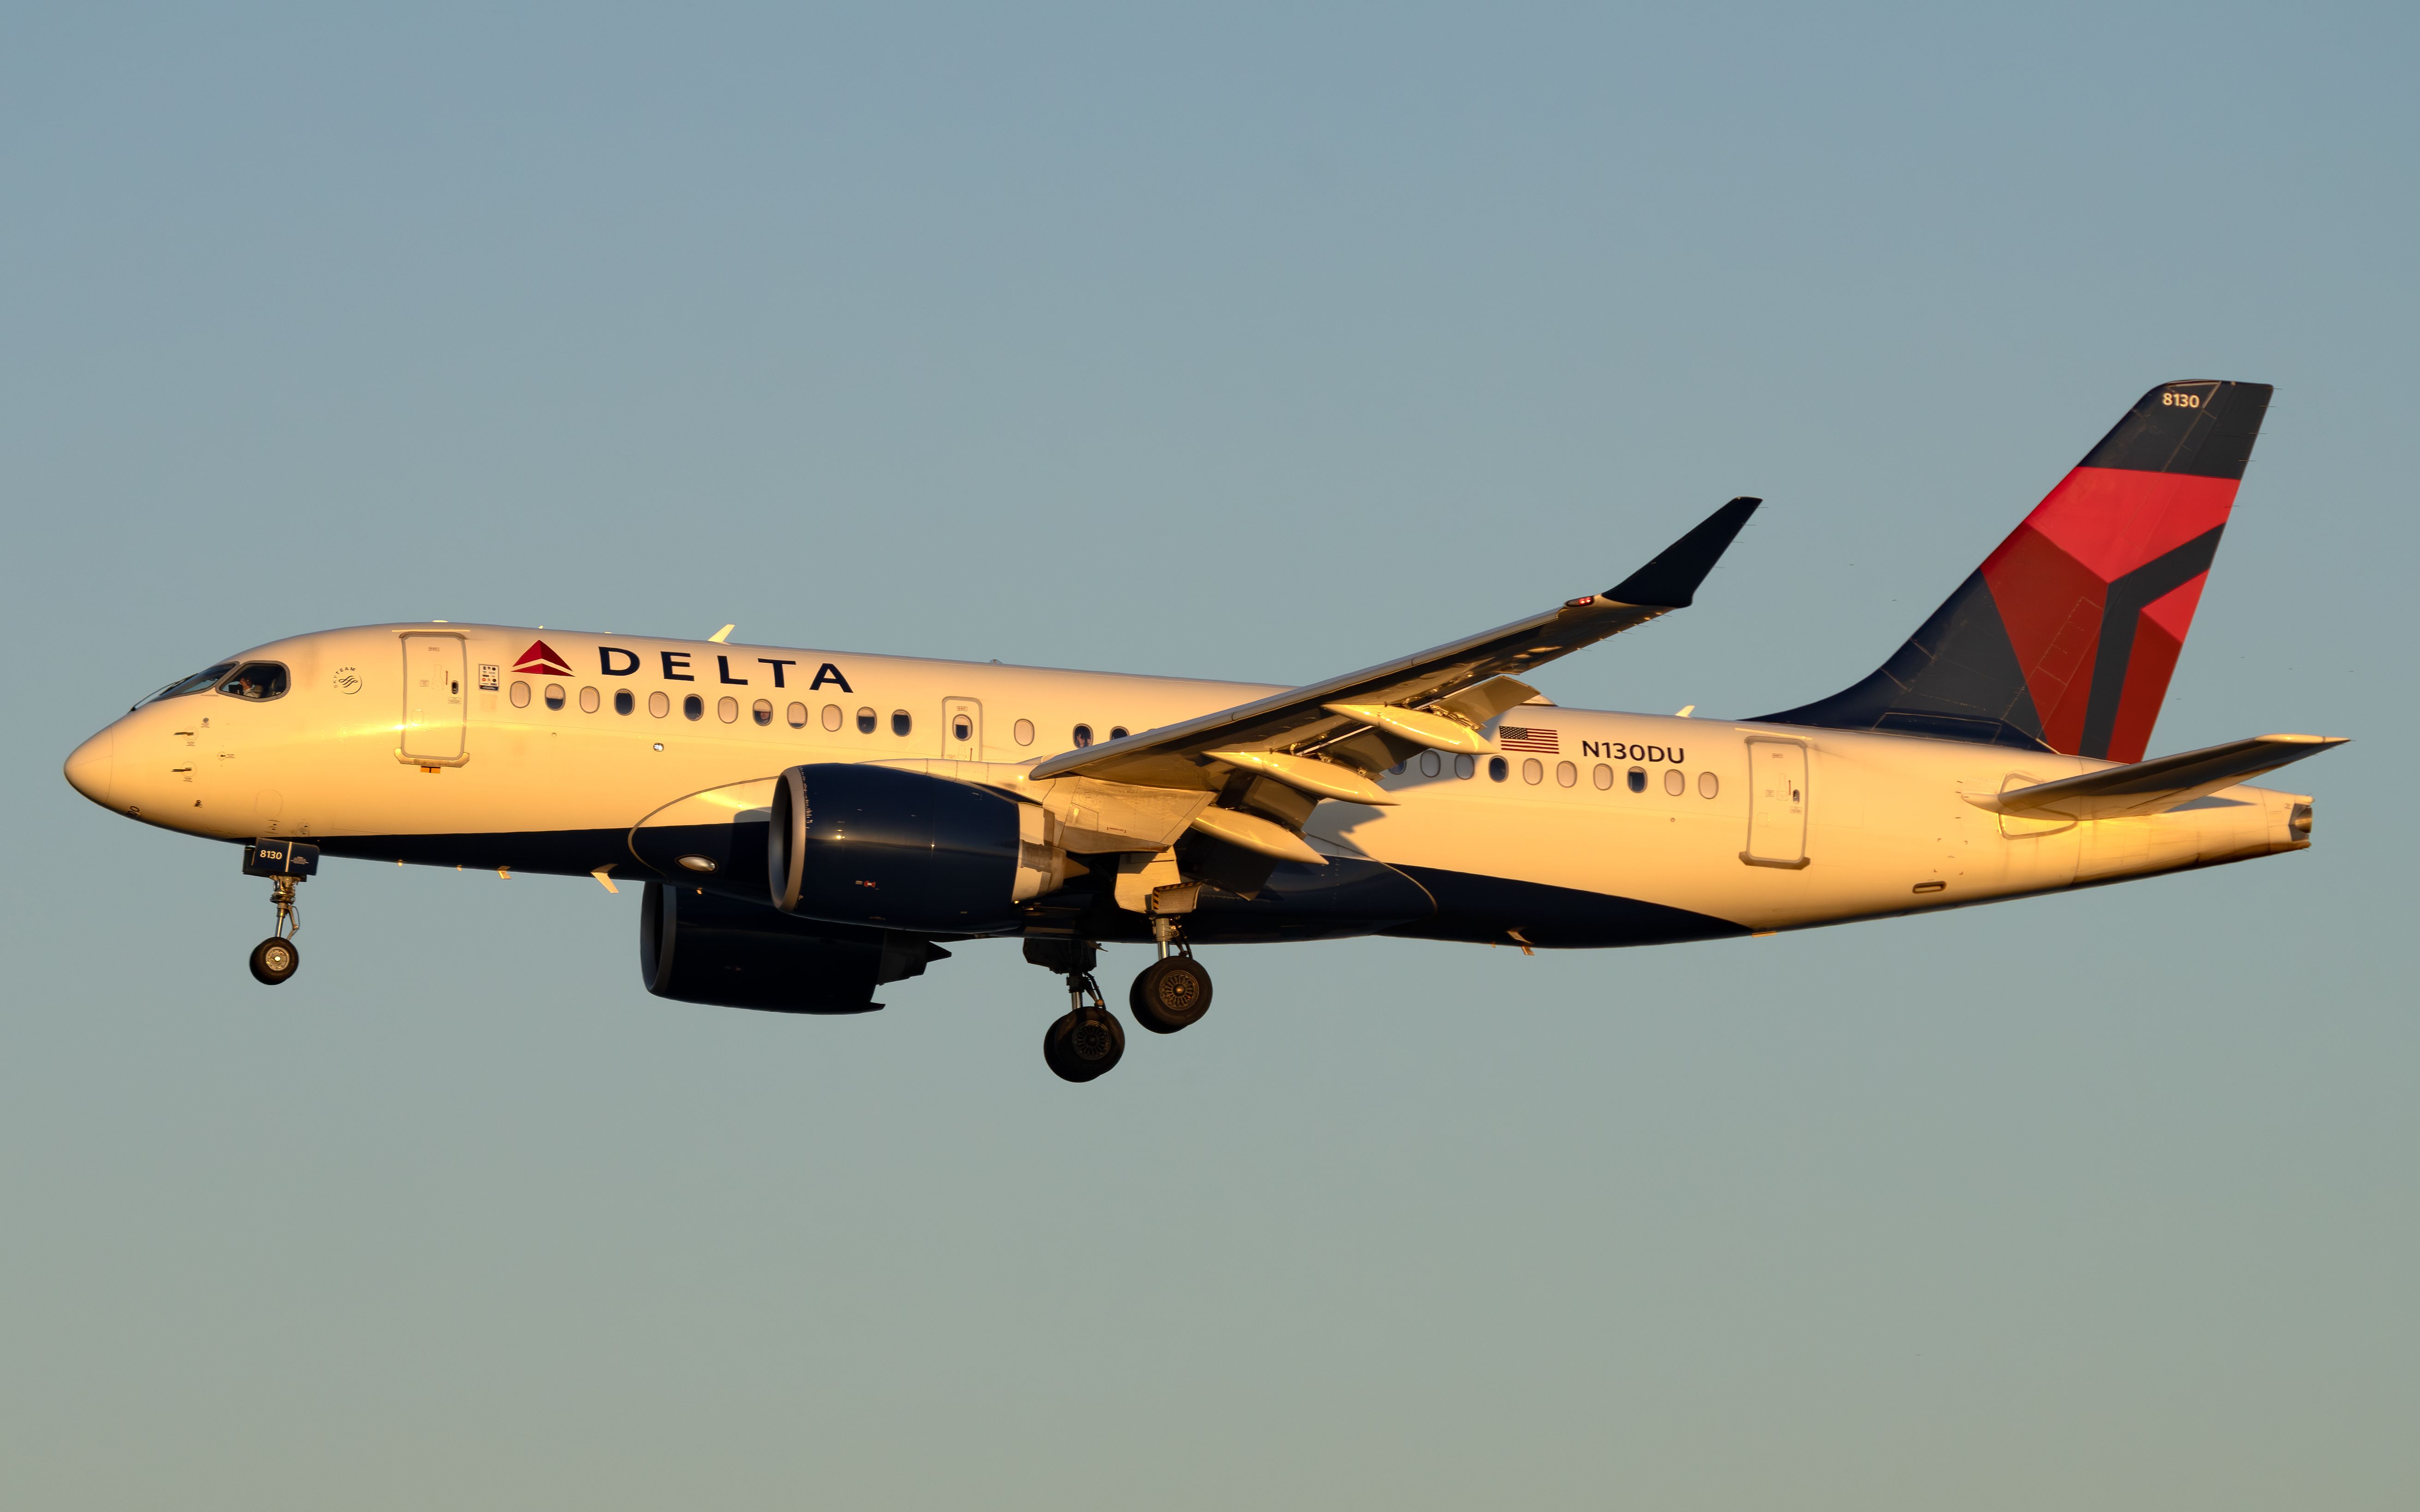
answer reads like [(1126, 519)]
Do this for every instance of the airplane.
[(809, 825)]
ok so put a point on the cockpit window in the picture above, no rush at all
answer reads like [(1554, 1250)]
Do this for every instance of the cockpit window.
[(201, 682), (258, 681)]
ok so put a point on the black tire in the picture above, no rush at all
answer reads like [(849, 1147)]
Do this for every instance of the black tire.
[(273, 960), (1170, 995), (1079, 1053)]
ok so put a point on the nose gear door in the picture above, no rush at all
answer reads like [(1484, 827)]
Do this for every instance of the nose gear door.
[(434, 700), (961, 729)]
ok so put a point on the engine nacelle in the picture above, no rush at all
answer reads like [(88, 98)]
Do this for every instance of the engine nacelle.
[(697, 948), (888, 849)]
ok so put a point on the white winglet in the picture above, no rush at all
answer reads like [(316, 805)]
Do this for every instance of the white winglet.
[(608, 882), (721, 635)]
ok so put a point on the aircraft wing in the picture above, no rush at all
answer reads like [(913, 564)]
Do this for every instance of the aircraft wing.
[(1325, 739), (2157, 785)]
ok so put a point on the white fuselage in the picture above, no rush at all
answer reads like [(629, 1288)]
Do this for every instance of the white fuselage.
[(1762, 826)]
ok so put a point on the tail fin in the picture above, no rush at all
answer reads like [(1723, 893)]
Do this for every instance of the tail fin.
[(2064, 638)]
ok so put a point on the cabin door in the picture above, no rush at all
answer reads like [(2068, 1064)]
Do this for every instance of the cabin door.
[(1776, 803), (434, 701)]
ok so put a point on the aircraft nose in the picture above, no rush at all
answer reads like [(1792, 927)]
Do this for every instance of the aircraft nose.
[(93, 765)]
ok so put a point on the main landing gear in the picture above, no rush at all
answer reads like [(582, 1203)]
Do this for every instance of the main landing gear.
[(1088, 1041), (1173, 992), (285, 863)]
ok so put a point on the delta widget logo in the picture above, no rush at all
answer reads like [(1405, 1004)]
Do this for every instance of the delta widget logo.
[(540, 658)]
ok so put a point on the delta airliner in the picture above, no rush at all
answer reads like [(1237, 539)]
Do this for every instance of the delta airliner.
[(808, 825)]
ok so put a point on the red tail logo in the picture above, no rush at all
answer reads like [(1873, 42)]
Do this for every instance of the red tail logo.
[(541, 657), (2066, 637)]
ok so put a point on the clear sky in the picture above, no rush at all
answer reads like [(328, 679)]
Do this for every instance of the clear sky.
[(1261, 342)]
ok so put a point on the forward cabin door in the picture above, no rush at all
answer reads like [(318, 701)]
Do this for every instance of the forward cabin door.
[(1776, 803), (434, 701), (961, 729)]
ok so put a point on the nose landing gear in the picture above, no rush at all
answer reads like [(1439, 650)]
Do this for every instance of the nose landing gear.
[(285, 864)]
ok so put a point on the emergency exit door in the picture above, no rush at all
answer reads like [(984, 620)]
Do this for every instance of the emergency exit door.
[(434, 700), (1776, 803), (961, 729)]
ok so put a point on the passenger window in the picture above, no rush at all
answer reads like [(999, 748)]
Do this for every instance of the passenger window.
[(1533, 771), (623, 702), (659, 705), (962, 728), (1676, 782), (1637, 779), (831, 716), (1568, 774), (1465, 767), (518, 693), (796, 715), (256, 682), (1709, 786), (1498, 768), (1602, 777), (1024, 732), (1117, 732), (727, 710), (762, 712), (1083, 734), (900, 723), (554, 696), (865, 721), (1431, 763), (588, 700)]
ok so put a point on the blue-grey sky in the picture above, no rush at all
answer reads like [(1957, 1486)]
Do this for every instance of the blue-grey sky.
[(1252, 342)]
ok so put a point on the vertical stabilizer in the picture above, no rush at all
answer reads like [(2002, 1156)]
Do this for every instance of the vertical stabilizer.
[(2065, 638)]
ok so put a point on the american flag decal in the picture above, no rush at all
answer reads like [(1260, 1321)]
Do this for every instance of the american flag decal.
[(1513, 737)]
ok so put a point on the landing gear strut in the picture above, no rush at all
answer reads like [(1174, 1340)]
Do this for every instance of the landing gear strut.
[(275, 958), (1172, 991)]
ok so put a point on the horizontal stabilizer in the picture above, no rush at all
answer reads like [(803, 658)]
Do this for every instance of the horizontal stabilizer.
[(2157, 785)]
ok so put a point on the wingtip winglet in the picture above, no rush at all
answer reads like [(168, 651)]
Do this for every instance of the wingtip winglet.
[(1671, 580)]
